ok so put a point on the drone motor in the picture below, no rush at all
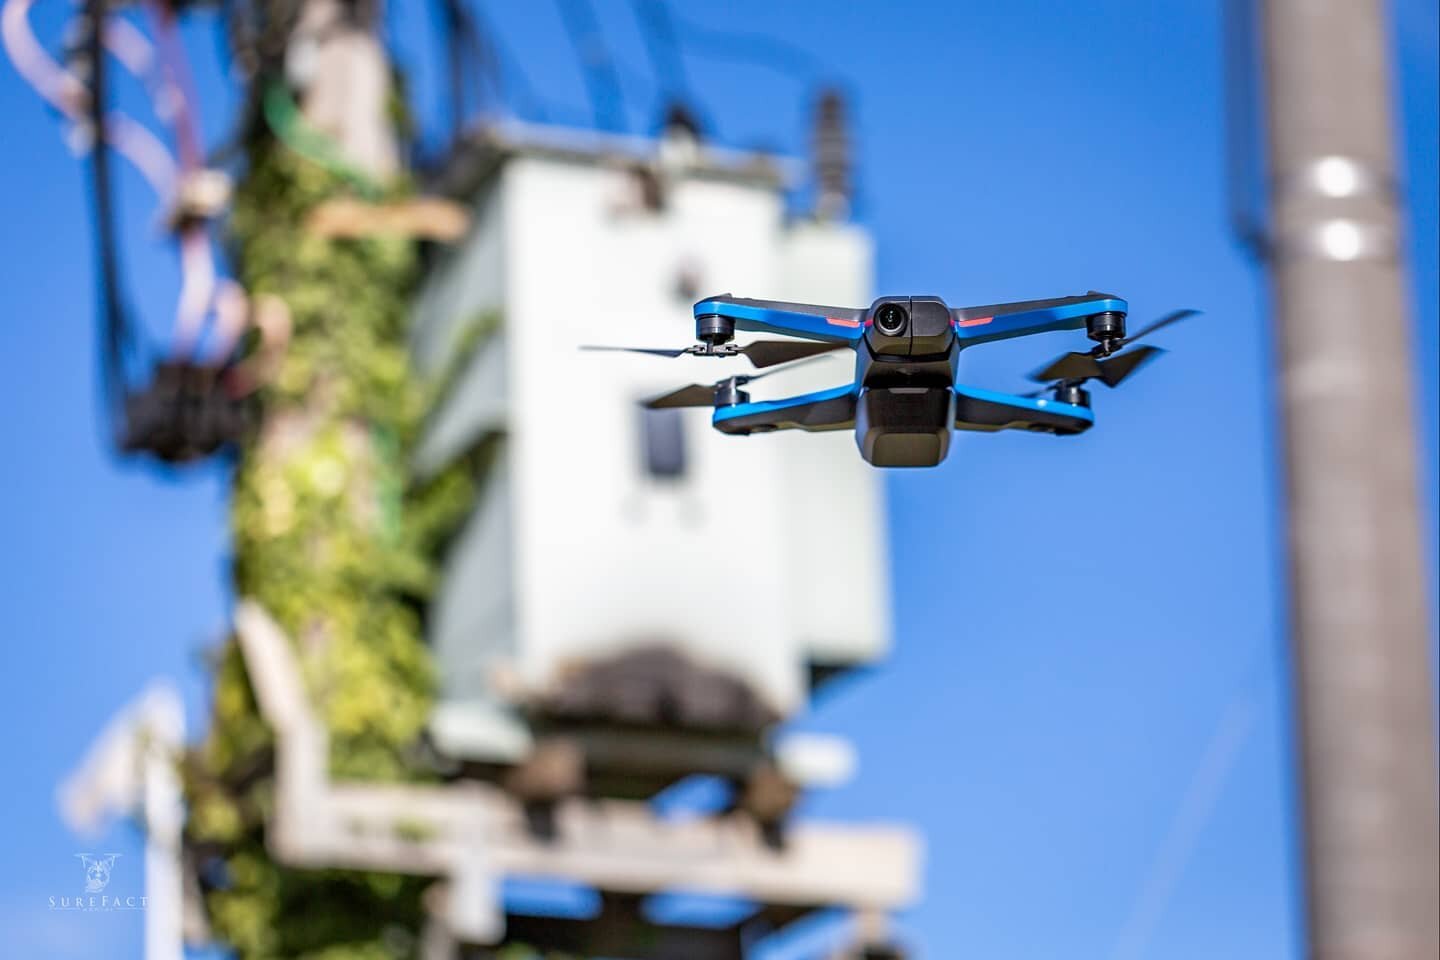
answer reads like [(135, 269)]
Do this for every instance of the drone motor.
[(1107, 329), (714, 329), (1072, 393)]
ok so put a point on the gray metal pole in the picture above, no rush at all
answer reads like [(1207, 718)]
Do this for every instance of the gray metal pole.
[(1359, 613)]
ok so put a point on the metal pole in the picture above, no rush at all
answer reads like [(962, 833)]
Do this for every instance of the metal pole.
[(1359, 614)]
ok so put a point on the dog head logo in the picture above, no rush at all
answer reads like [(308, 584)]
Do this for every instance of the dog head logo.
[(97, 870)]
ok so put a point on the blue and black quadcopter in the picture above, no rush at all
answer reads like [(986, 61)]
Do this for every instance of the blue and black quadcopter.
[(905, 400)]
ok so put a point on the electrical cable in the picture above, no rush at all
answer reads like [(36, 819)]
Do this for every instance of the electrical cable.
[(128, 44), (1241, 138), (145, 151), (1191, 816), (117, 333), (453, 30), (232, 308), (67, 94), (466, 53), (189, 408), (97, 132), (197, 287), (57, 86), (601, 81), (754, 48), (474, 46), (511, 77), (175, 101), (663, 44), (666, 34)]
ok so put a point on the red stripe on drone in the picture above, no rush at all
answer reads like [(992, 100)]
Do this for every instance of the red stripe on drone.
[(974, 322), (842, 322)]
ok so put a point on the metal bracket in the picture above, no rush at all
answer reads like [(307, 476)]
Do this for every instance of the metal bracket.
[(730, 349)]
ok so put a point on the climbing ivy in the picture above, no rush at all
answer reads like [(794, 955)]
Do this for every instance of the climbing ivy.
[(338, 544)]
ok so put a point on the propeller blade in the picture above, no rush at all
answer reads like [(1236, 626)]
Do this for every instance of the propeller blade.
[(1119, 367), (1072, 366), (767, 353), (745, 378), (690, 395), (1165, 321), (703, 395), (656, 351)]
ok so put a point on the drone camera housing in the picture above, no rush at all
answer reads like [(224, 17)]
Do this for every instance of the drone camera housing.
[(909, 327), (904, 426), (930, 330)]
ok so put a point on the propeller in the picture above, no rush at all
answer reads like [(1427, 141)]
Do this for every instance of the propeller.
[(761, 353), (705, 395), (1102, 362)]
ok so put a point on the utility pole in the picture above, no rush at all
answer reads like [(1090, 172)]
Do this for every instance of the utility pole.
[(347, 81), (1358, 609), (327, 534)]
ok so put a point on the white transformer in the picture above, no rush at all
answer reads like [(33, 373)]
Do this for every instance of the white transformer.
[(603, 530)]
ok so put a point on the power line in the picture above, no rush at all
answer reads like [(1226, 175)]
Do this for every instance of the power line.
[(512, 83), (1241, 131), (451, 27), (663, 44), (601, 80), (477, 55), (117, 335), (470, 60), (1193, 813), (758, 49)]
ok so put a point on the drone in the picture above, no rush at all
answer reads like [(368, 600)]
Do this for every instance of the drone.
[(905, 399)]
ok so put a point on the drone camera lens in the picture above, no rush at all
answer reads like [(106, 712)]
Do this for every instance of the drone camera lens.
[(891, 319)]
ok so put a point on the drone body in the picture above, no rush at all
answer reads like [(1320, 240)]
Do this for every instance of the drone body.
[(905, 399)]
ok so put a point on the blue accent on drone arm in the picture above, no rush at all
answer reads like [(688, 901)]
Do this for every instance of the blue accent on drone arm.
[(978, 409), (837, 326), (832, 409), (1024, 323)]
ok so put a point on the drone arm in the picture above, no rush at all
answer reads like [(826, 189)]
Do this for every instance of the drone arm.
[(808, 320), (832, 409), (987, 410), (1003, 321)]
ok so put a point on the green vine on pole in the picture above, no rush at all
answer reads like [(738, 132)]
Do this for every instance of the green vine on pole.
[(282, 115), (333, 538)]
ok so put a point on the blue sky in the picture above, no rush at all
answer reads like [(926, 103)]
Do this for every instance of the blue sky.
[(1085, 711)]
